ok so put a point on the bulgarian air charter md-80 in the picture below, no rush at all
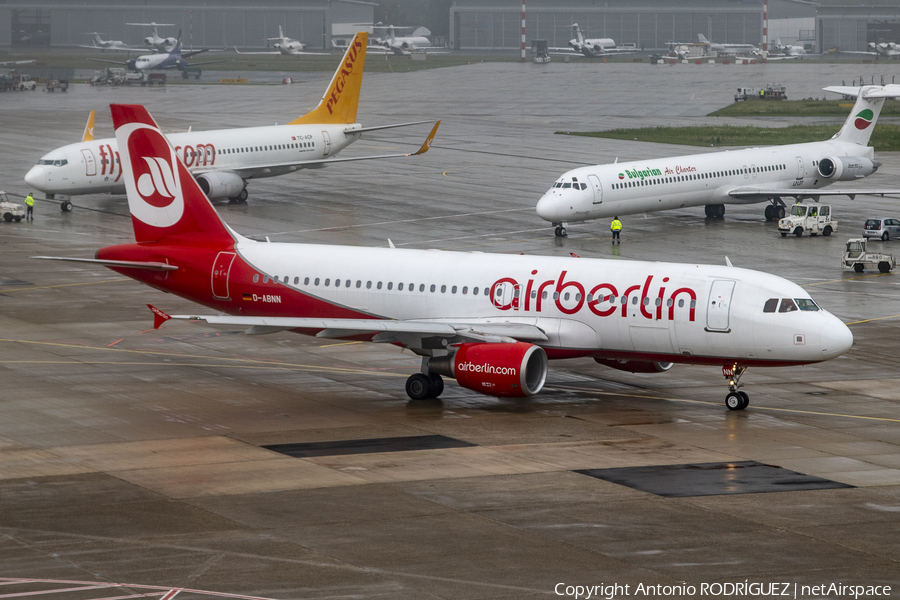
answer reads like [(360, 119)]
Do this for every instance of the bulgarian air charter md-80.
[(491, 321), (224, 160), (731, 177)]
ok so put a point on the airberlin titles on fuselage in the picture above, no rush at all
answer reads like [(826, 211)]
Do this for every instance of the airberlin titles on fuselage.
[(596, 296)]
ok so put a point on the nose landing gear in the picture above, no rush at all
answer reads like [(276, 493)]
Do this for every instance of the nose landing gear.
[(736, 399), (560, 230)]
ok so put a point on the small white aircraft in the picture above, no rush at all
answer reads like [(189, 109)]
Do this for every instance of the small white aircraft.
[(286, 46), (225, 160), (99, 43), (406, 45), (746, 176), (172, 59), (732, 49), (154, 41), (591, 47), (885, 49), (788, 49), (491, 321)]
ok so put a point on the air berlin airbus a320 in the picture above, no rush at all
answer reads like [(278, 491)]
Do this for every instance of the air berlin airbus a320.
[(491, 321)]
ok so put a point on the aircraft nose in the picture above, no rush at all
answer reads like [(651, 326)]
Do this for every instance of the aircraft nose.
[(546, 208), (836, 338), (36, 177)]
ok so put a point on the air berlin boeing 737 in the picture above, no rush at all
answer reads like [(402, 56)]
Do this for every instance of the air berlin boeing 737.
[(730, 177), (224, 160), (491, 321)]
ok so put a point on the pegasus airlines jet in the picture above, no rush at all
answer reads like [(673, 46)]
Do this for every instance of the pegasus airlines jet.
[(224, 160), (491, 321), (731, 177)]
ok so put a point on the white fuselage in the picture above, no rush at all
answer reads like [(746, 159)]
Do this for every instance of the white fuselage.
[(651, 311), (603, 191), (94, 167)]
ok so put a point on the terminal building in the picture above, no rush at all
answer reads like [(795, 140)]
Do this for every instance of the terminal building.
[(222, 24)]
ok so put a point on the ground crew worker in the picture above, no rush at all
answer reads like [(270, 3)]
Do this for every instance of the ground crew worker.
[(762, 94), (29, 211), (616, 227)]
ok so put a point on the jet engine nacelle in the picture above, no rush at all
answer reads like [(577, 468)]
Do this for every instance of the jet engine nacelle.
[(635, 366), (170, 41), (846, 168), (514, 370), (218, 184), (597, 48)]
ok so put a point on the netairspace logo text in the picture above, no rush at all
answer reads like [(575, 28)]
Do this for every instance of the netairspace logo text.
[(721, 590)]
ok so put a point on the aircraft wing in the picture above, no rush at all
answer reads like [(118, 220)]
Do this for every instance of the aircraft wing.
[(209, 62), (114, 49), (121, 63), (17, 62), (249, 172), (798, 193), (385, 330), (191, 53), (882, 91), (276, 52)]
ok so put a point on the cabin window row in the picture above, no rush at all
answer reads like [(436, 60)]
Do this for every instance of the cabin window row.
[(694, 176), (785, 305), (349, 283), (265, 148)]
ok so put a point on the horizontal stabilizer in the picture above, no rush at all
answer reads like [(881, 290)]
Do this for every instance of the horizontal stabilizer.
[(379, 127), (128, 264)]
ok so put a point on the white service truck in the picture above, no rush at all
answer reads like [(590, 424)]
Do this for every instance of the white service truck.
[(10, 211), (857, 258), (808, 217)]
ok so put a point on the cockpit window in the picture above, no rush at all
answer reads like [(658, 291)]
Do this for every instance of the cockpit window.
[(52, 163), (771, 305), (806, 304), (567, 185), (787, 305)]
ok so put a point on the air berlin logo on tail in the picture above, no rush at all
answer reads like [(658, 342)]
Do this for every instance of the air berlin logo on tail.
[(863, 119), (154, 191)]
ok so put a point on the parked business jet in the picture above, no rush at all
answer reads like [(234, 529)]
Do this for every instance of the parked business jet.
[(592, 47), (98, 43), (154, 41), (406, 44), (885, 49), (491, 321), (172, 59), (723, 48), (224, 160), (286, 46), (732, 177)]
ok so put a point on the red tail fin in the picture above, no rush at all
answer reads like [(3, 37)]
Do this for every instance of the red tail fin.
[(164, 199)]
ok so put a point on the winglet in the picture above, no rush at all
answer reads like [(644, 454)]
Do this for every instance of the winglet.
[(159, 317), (89, 129), (428, 140)]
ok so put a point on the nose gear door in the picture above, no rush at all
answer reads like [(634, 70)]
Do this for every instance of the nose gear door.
[(220, 272)]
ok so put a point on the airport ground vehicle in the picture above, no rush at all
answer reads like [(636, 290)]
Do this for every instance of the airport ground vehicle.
[(57, 84), (882, 227), (155, 78), (23, 82), (858, 258), (773, 91), (10, 211), (808, 217)]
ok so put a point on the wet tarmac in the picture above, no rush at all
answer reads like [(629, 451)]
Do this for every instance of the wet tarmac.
[(128, 454)]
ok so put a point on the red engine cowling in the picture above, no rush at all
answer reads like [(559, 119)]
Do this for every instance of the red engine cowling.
[(635, 366), (513, 370)]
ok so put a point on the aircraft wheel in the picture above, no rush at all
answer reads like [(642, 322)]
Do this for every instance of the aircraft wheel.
[(779, 212), (885, 236), (418, 386), (734, 401), (746, 397), (827, 231), (65, 206), (770, 212), (437, 385), (717, 211), (859, 267), (242, 197), (884, 267), (563, 232), (798, 232)]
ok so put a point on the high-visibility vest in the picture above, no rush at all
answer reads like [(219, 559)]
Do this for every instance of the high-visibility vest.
[(616, 225), (29, 200)]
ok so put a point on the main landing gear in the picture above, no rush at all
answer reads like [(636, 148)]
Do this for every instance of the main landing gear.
[(716, 211), (736, 399), (776, 210), (420, 386), (560, 230), (241, 198)]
